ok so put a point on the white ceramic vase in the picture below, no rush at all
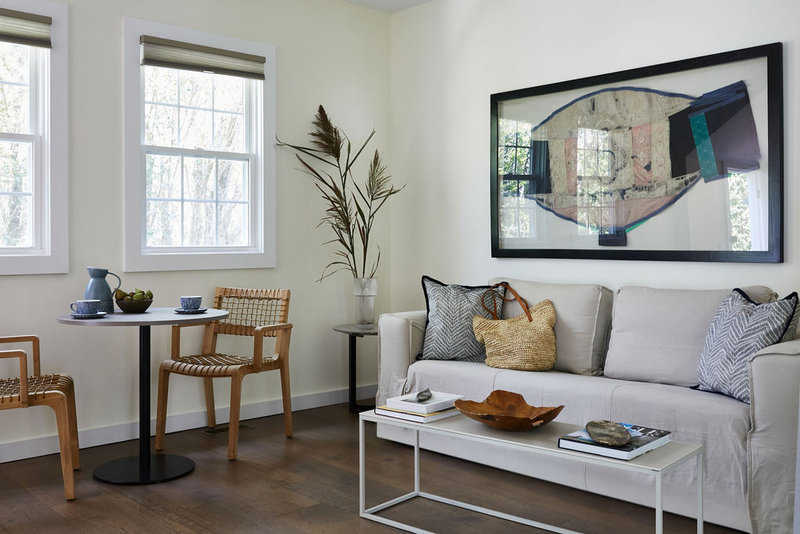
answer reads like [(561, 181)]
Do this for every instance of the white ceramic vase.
[(364, 292)]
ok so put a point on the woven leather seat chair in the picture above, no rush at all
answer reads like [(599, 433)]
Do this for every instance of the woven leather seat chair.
[(56, 391), (252, 312)]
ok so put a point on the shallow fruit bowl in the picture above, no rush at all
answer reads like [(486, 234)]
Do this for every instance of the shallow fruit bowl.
[(506, 410), (134, 306)]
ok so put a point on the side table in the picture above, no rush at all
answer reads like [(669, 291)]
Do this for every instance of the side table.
[(355, 331)]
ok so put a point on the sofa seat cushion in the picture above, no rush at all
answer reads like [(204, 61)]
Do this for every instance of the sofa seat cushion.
[(658, 334), (584, 397), (721, 424), (583, 314), (474, 380)]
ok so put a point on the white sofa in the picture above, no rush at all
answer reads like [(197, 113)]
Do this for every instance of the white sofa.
[(640, 371)]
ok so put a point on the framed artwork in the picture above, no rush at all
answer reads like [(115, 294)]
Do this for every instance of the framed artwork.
[(681, 161)]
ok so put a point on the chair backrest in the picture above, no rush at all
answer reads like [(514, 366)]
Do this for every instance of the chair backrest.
[(250, 308)]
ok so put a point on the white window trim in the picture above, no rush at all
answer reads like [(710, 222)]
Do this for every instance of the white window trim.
[(52, 254), (137, 257)]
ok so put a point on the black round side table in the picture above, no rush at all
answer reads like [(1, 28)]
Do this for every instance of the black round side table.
[(355, 331)]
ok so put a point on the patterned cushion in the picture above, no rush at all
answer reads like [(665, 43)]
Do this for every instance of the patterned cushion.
[(448, 330), (793, 332), (740, 329)]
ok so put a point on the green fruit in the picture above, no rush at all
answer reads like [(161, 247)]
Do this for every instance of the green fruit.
[(119, 294), (148, 294), (138, 296), (128, 298)]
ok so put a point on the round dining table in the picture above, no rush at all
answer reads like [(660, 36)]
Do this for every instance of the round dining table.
[(146, 468)]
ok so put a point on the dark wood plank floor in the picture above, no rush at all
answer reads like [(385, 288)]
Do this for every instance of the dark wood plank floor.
[(305, 484)]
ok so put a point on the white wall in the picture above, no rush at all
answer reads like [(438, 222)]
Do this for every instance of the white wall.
[(448, 56), (328, 52)]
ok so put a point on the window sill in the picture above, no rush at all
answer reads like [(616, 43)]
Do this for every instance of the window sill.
[(197, 261)]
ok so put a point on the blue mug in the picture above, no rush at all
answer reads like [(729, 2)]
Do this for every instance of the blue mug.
[(85, 307), (191, 303)]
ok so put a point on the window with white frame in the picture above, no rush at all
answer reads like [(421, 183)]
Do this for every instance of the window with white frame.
[(199, 179), (33, 103)]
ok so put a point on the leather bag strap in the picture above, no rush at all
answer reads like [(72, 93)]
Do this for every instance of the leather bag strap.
[(495, 295)]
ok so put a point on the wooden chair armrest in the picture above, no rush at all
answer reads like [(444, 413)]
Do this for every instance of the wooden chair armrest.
[(19, 339), (266, 329), (34, 340), (176, 337), (283, 331), (179, 326), (23, 372)]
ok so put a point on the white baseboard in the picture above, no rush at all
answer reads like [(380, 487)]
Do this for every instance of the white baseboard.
[(92, 437)]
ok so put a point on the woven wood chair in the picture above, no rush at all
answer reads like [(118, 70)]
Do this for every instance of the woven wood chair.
[(56, 391), (252, 312)]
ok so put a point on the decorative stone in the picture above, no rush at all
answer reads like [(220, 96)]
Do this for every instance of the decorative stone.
[(608, 433), (424, 395)]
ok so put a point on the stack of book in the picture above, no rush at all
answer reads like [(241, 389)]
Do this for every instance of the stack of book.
[(407, 407), (643, 439)]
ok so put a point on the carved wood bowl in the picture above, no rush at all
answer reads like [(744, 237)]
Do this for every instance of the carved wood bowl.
[(506, 410)]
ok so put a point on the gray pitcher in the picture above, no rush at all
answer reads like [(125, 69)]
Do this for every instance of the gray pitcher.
[(98, 288)]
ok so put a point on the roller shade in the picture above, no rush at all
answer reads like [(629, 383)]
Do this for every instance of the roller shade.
[(25, 28), (179, 55)]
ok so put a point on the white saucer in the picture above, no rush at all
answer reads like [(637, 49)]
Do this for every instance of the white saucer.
[(97, 315), (190, 312)]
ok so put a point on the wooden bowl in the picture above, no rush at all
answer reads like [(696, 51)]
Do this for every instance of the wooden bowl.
[(506, 410), (134, 306)]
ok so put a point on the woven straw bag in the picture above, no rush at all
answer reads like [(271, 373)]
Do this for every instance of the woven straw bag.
[(526, 342)]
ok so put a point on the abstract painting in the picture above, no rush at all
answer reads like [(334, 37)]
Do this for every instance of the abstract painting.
[(592, 168)]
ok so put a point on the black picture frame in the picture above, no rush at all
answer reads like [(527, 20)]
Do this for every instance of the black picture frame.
[(546, 101)]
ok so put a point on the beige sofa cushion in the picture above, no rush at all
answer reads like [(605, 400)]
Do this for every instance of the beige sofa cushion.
[(583, 313), (657, 335)]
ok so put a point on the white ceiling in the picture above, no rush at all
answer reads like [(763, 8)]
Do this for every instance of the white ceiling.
[(389, 5)]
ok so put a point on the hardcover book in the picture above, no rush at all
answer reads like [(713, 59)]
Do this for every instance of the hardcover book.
[(643, 439), (416, 417), (409, 403)]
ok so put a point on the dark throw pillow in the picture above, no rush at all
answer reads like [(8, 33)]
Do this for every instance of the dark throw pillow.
[(448, 329), (740, 328)]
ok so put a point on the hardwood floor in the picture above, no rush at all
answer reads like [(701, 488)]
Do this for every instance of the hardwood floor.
[(305, 484)]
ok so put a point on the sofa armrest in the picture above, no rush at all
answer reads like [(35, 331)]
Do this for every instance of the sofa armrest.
[(774, 374), (400, 338)]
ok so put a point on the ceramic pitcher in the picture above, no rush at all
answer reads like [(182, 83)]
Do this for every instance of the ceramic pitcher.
[(98, 288)]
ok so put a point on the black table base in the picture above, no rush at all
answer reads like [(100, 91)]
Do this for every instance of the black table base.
[(146, 468), (163, 467), (355, 331), (352, 404)]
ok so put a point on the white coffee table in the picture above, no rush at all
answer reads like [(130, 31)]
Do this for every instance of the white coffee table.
[(540, 444)]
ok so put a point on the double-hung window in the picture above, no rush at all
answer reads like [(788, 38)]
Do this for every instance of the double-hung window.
[(33, 137), (199, 182)]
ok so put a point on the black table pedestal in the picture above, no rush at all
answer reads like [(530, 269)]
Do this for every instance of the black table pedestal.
[(353, 332), (146, 468), (163, 467)]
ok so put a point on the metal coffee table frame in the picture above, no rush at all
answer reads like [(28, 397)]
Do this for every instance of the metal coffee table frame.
[(543, 442)]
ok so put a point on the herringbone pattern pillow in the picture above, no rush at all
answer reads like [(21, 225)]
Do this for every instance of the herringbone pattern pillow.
[(448, 331), (740, 329)]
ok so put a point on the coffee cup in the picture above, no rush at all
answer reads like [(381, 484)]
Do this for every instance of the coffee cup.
[(85, 307), (191, 303)]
